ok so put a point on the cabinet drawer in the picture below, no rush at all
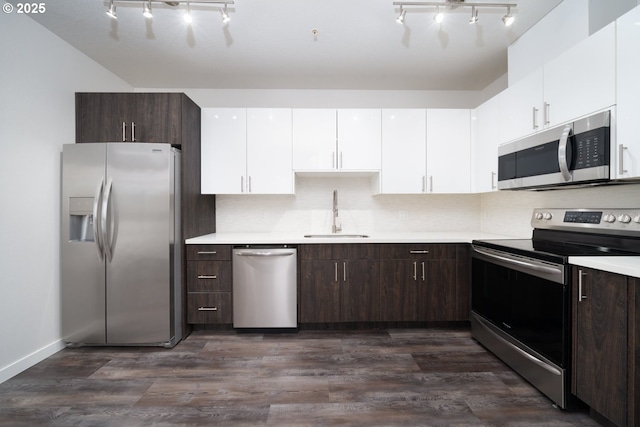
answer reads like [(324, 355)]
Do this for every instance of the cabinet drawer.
[(209, 307), (208, 276), (339, 251), (420, 251), (208, 252)]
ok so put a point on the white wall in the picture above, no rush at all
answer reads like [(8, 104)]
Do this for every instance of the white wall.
[(39, 76)]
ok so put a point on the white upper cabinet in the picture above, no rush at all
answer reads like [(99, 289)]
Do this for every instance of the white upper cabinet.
[(404, 151), (448, 151), (223, 154), (359, 139), (627, 151), (314, 139), (485, 141), (269, 146), (582, 80), (522, 107), (246, 151), (578, 82), (330, 140)]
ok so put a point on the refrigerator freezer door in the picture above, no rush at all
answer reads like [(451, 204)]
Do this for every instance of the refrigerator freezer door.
[(138, 228), (83, 267)]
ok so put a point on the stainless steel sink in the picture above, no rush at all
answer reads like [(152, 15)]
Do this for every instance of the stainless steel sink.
[(335, 236)]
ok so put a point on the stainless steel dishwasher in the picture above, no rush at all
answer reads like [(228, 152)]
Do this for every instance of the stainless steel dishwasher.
[(264, 287)]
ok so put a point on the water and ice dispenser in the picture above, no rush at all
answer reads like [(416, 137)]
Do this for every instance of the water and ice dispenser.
[(81, 219)]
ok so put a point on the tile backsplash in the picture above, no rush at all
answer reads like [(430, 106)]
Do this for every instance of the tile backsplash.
[(309, 210)]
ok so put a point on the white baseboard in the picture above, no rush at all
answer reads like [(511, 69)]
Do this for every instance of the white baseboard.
[(29, 360)]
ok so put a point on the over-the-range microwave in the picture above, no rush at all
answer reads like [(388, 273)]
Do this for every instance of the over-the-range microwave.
[(576, 153)]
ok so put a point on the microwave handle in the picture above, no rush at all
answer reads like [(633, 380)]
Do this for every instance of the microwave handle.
[(562, 153)]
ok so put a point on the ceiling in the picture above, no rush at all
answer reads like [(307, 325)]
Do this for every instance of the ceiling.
[(269, 44)]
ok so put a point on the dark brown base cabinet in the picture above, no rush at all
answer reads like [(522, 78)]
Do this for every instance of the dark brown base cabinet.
[(209, 284), (606, 344), (384, 283)]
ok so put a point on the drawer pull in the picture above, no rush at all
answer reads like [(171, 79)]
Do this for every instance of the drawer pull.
[(204, 276), (415, 251), (207, 252), (207, 308)]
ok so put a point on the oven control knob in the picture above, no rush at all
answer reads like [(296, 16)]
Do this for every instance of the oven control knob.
[(610, 218), (547, 216), (626, 219), (538, 215), (636, 219)]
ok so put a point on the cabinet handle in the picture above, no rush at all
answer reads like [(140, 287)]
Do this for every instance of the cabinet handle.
[(423, 271), (133, 131), (249, 183), (581, 274), (336, 265), (207, 308), (204, 276), (242, 184), (621, 168), (333, 160), (547, 107), (493, 180), (424, 184), (415, 270), (341, 160), (124, 131), (417, 251), (344, 271), (431, 184), (207, 252), (535, 118)]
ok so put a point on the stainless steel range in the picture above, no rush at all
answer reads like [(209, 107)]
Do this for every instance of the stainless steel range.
[(521, 303)]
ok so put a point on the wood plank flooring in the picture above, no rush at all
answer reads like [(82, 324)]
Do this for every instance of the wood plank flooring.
[(403, 377)]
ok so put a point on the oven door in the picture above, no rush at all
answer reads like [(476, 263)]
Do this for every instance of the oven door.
[(520, 311)]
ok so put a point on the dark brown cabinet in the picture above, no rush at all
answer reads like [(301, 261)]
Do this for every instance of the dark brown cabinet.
[(424, 282), (209, 284), (339, 283), (606, 344)]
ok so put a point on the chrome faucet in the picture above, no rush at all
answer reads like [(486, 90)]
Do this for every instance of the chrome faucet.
[(335, 227)]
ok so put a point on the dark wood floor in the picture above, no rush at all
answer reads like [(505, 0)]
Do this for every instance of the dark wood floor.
[(409, 377)]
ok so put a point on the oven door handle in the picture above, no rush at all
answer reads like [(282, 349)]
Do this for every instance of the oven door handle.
[(531, 357), (533, 267)]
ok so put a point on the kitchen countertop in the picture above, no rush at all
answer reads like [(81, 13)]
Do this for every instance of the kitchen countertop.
[(298, 238), (626, 265)]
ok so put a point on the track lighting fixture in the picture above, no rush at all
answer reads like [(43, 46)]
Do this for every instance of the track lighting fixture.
[(112, 10), (220, 5), (474, 15), (187, 16), (146, 10), (400, 18), (508, 18), (450, 5), (439, 16), (225, 15)]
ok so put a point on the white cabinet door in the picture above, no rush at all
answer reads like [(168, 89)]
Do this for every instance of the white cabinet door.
[(627, 151), (448, 151), (223, 150), (269, 148), (404, 151), (314, 139), (486, 138), (582, 80), (522, 105), (359, 139)]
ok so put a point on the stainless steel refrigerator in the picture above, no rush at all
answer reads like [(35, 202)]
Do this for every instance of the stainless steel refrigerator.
[(121, 244)]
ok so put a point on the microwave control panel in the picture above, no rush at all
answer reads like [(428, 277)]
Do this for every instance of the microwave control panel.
[(591, 149)]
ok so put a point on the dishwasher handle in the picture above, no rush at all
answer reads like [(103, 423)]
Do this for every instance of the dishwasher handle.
[(265, 253)]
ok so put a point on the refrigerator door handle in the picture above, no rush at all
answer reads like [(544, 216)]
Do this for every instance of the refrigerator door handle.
[(97, 230), (104, 222)]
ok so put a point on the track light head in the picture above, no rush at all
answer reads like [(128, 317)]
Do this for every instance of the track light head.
[(187, 16), (439, 16), (225, 15), (146, 10), (112, 10), (508, 18), (400, 18), (474, 15)]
